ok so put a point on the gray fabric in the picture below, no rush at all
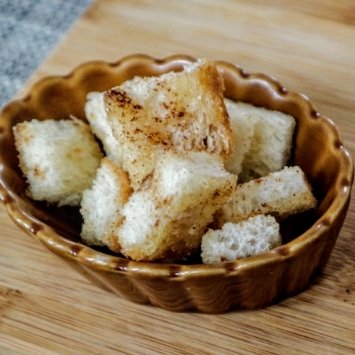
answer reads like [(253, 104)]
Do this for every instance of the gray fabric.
[(29, 30)]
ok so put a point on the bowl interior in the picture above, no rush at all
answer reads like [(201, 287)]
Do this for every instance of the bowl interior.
[(317, 146)]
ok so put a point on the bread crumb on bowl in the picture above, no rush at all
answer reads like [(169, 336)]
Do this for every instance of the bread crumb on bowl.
[(186, 284)]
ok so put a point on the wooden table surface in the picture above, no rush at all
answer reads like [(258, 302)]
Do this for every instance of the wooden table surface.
[(309, 46)]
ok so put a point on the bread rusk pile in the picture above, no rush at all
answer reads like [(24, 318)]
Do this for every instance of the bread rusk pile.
[(184, 169), (174, 138), (278, 194)]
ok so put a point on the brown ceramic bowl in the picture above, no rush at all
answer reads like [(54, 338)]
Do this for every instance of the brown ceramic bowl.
[(245, 284)]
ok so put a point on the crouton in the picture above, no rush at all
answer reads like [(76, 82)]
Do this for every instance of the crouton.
[(58, 158), (178, 111), (235, 241), (269, 147), (281, 193)]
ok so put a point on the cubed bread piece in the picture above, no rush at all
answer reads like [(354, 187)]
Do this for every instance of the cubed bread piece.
[(102, 203), (281, 193), (58, 158), (166, 218), (271, 142), (235, 241), (178, 111), (97, 117), (243, 130)]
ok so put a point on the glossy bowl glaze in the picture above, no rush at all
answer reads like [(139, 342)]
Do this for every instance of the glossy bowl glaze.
[(245, 284)]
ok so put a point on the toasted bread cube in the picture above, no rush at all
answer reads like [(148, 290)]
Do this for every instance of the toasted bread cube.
[(269, 149), (282, 193), (166, 218), (179, 111), (102, 203), (235, 241), (58, 158)]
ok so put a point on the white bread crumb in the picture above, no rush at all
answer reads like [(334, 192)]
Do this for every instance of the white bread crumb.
[(58, 158), (102, 203), (282, 193), (250, 237), (167, 216)]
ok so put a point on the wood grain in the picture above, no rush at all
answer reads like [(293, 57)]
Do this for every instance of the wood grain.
[(47, 308)]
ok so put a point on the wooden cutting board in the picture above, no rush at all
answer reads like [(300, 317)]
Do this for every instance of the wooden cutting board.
[(308, 45)]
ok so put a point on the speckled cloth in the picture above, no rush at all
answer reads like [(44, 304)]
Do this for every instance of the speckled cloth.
[(29, 30)]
